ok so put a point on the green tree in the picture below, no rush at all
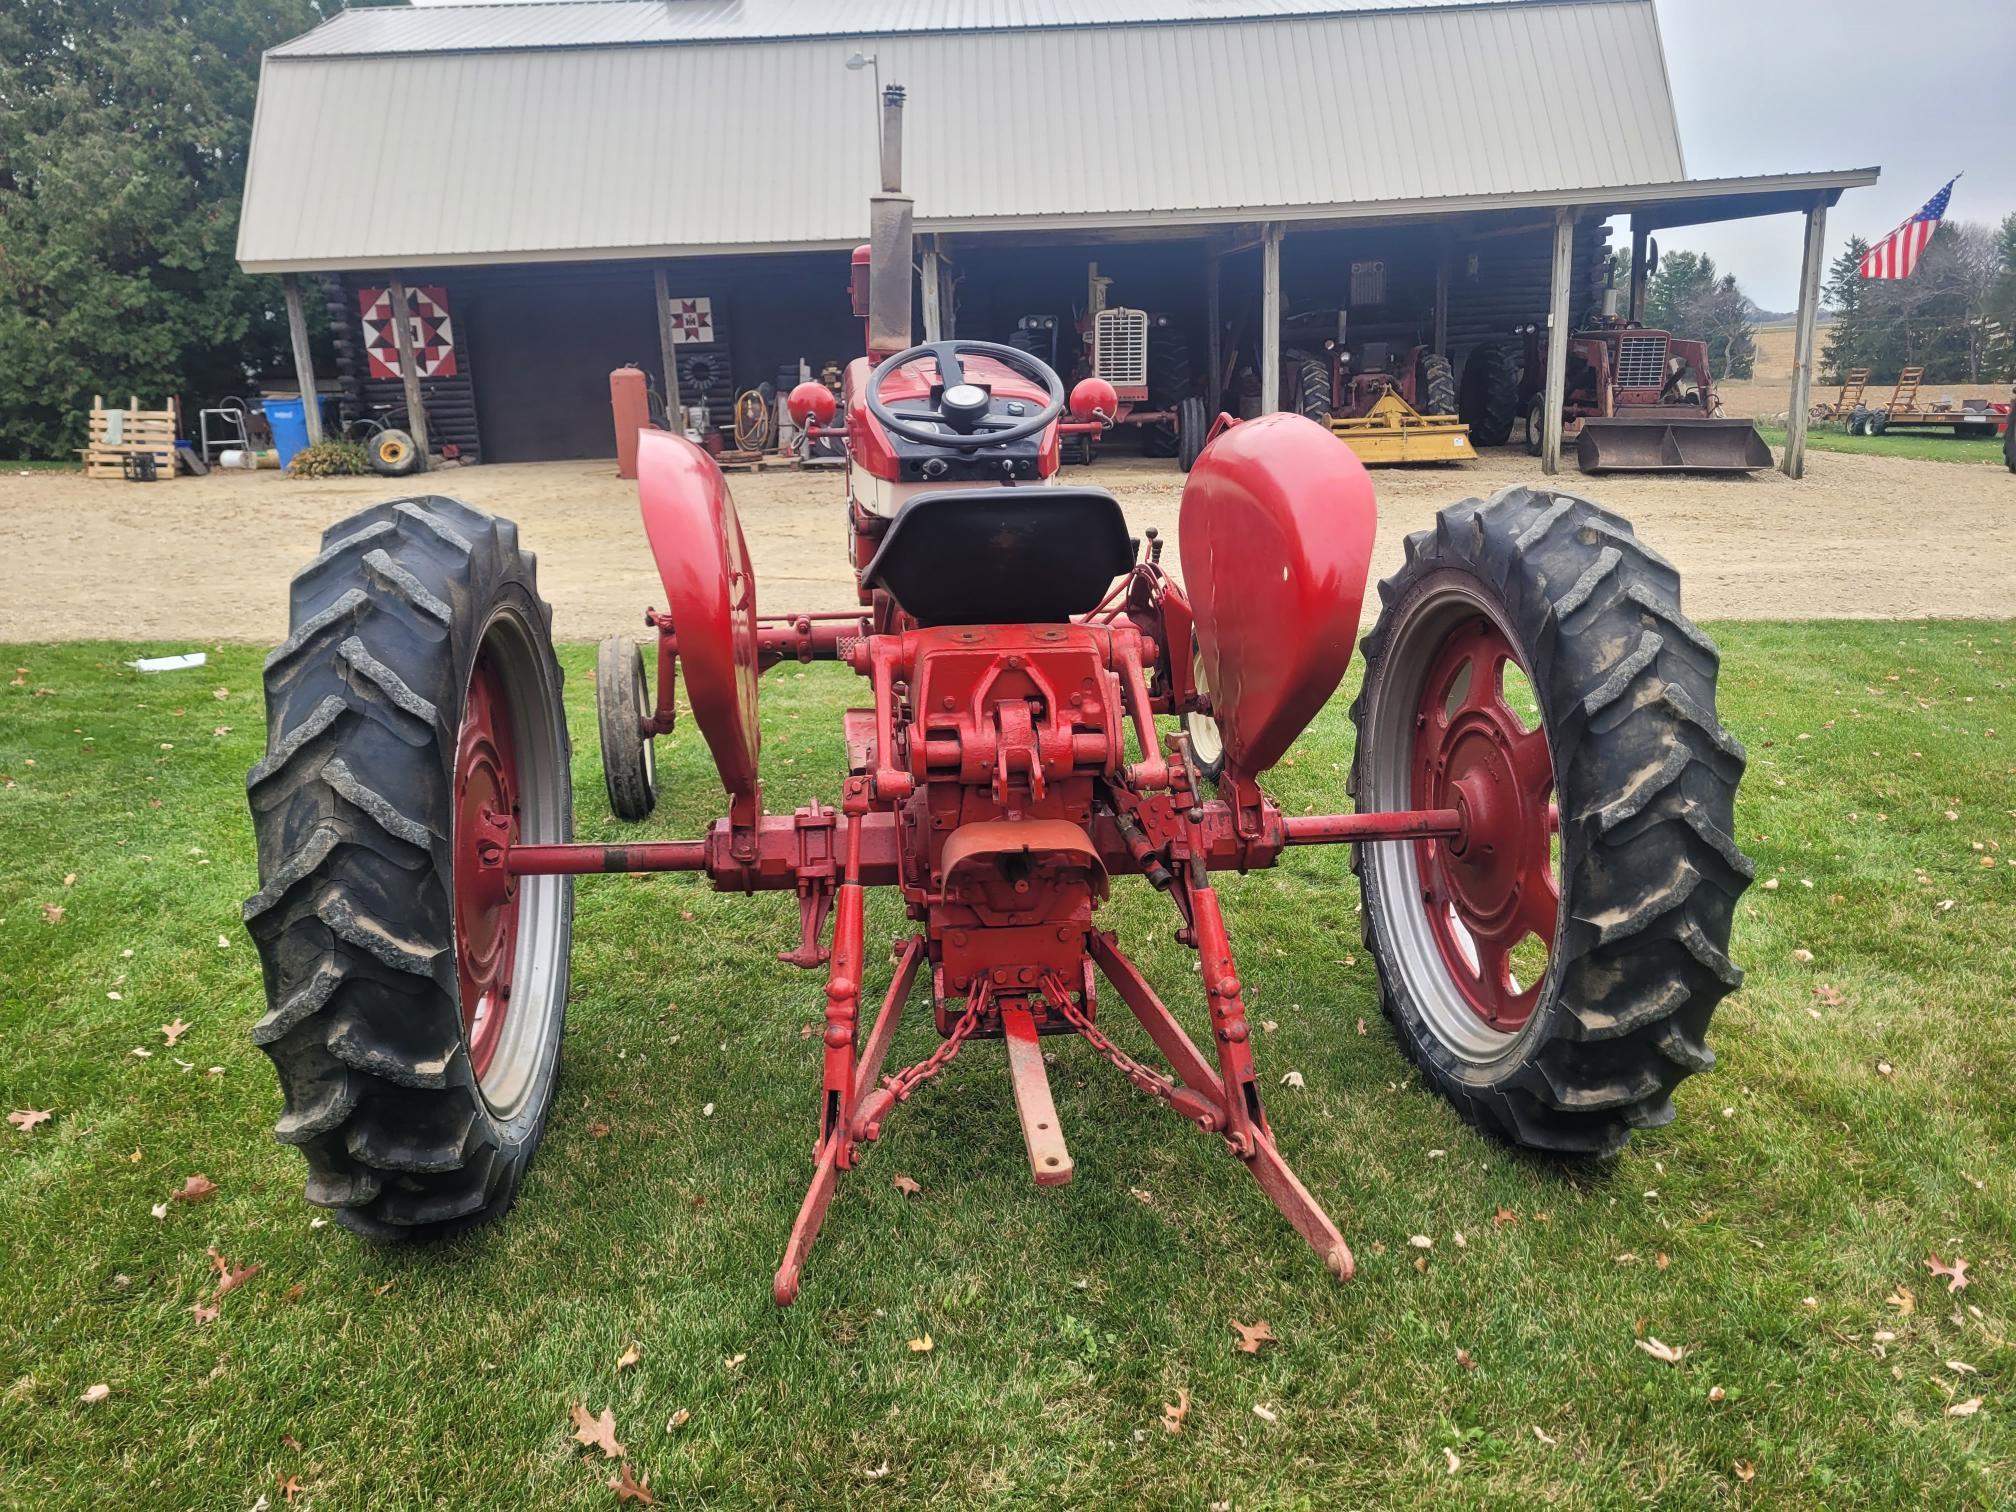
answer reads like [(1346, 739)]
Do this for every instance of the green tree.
[(124, 126), (1681, 277), (1851, 341), (1689, 297)]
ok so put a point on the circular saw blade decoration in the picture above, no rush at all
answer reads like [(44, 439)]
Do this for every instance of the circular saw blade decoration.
[(433, 335)]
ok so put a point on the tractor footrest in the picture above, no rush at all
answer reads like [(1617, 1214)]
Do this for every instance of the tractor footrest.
[(1049, 1160)]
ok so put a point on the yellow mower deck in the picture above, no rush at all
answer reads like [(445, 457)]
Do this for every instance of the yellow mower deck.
[(1394, 431)]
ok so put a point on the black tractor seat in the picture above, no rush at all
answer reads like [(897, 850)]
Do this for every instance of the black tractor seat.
[(995, 556)]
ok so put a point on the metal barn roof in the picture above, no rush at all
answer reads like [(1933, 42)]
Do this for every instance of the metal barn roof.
[(615, 23), (460, 135)]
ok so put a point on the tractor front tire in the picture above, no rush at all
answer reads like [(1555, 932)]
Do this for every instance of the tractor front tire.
[(1434, 384), (415, 991), (1620, 922), (1489, 402), (1193, 424), (1535, 427), (622, 704)]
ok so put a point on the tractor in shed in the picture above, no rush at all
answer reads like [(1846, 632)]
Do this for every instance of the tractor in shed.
[(1543, 835)]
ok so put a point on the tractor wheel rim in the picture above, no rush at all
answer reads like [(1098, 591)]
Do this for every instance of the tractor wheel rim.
[(643, 702), (510, 932), (1445, 735), (1207, 740), (486, 895)]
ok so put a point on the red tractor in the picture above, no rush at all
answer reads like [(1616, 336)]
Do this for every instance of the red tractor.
[(1635, 400), (1547, 876)]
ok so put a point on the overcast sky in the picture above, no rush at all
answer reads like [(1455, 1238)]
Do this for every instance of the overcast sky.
[(1771, 86), (1777, 86)]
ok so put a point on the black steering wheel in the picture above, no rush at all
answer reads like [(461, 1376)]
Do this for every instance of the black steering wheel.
[(963, 405)]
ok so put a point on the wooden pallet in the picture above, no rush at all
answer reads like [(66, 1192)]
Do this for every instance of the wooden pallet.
[(749, 461), (151, 432)]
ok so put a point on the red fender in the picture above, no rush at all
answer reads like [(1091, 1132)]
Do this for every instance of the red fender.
[(710, 593), (1276, 536)]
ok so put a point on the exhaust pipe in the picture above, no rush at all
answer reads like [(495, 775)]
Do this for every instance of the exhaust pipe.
[(890, 216)]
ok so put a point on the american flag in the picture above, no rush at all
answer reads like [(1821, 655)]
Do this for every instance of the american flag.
[(1898, 253)]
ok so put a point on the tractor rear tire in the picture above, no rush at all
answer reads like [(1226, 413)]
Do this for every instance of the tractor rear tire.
[(1626, 746), (1169, 384), (1193, 424), (1309, 389), (1489, 402), (1434, 385), (415, 994), (622, 703)]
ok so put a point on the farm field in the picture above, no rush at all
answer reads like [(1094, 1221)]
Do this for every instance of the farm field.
[(1494, 1349)]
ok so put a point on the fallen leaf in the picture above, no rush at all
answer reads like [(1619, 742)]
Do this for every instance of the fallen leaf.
[(52, 912), (1660, 1260), (1463, 1358), (1829, 996), (1253, 1335), (1292, 1079), (196, 1189), (629, 1357), (598, 1130), (1361, 1026), (159, 1210), (677, 1420), (922, 1344), (1449, 1454), (708, 1111), (1961, 1367), (596, 1432), (908, 1187), (1803, 956), (1503, 1217), (1174, 1412), (25, 1119), (69, 879), (1672, 1354), (628, 1489), (175, 1031), (204, 1314), (1964, 1409), (230, 1277), (733, 1362), (95, 1394), (1716, 1393), (1265, 1413), (1956, 1273), (880, 1472), (1548, 1439), (1903, 1301), (1745, 1471), (1140, 1196), (1420, 1241), (289, 1487)]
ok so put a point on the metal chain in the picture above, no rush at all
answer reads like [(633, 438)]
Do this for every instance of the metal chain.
[(906, 1081), (1154, 1083)]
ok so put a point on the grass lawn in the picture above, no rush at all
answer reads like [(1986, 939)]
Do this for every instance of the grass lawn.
[(1862, 1117), (1920, 446)]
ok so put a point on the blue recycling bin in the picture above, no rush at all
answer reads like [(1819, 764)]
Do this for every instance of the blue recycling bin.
[(289, 419)]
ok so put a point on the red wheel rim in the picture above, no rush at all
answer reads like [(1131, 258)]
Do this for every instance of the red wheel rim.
[(1495, 887), (486, 896)]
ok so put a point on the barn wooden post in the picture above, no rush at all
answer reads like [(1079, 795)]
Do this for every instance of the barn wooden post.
[(1439, 342), (1636, 310), (934, 329), (1214, 336), (1270, 319), (304, 362), (1559, 326), (674, 421), (1802, 342), (409, 370)]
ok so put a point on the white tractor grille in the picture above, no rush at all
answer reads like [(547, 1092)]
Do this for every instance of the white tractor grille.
[(1641, 362), (1121, 344)]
